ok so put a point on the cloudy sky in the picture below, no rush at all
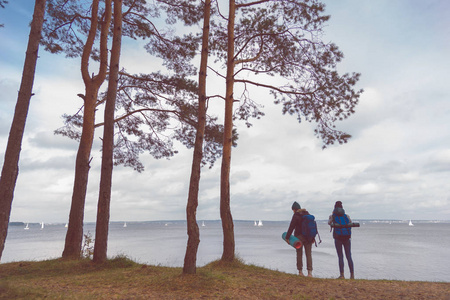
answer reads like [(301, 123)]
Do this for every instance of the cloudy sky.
[(396, 166)]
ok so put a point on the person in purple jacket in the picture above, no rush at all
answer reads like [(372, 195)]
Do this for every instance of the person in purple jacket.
[(296, 227)]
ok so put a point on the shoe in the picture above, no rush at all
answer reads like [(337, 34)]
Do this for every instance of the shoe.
[(300, 273), (352, 275), (341, 276), (310, 273)]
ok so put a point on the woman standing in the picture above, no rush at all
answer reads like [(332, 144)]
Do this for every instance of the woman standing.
[(342, 237)]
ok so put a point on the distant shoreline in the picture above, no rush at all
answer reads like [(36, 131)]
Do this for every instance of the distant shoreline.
[(18, 223)]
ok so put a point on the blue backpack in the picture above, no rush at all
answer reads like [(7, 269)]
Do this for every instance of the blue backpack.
[(342, 221), (309, 228)]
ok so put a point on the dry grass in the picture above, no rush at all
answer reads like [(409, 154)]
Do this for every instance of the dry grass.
[(121, 278)]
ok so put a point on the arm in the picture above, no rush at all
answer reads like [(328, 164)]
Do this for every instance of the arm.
[(291, 228), (330, 220)]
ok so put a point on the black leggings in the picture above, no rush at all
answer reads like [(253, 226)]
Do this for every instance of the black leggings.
[(346, 243)]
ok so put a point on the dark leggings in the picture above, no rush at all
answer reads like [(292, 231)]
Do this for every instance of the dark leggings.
[(339, 243)]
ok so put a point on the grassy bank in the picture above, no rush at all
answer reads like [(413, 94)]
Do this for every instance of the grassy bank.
[(121, 278)]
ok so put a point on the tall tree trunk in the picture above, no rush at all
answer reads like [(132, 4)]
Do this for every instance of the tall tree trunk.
[(104, 198), (74, 236), (225, 210), (10, 169), (190, 258)]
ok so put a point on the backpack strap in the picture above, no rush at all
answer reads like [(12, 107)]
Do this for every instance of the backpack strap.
[(320, 240)]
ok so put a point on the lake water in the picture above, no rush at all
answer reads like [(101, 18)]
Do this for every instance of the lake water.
[(381, 250)]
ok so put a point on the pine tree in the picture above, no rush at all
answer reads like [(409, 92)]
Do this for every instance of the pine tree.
[(10, 169), (104, 197), (276, 45)]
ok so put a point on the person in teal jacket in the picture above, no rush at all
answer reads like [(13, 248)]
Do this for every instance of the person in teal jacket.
[(342, 238)]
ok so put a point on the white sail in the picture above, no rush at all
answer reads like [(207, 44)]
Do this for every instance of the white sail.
[(410, 223), (125, 224), (42, 225), (203, 224), (26, 227), (260, 223)]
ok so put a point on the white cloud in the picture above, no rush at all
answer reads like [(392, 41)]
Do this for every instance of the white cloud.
[(396, 165)]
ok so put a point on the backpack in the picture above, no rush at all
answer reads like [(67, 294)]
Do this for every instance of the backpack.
[(309, 228), (342, 221)]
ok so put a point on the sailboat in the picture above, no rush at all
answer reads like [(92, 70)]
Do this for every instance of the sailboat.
[(125, 224), (256, 224), (26, 227), (203, 224), (410, 223), (42, 225), (67, 225), (260, 223)]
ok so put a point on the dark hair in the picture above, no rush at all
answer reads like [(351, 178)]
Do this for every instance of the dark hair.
[(338, 204)]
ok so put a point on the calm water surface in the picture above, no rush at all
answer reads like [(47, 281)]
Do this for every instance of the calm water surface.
[(381, 250)]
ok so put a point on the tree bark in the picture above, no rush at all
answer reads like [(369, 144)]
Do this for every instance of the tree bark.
[(190, 259), (74, 236), (10, 169), (104, 200), (225, 210)]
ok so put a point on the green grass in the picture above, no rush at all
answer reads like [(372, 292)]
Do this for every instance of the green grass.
[(121, 278)]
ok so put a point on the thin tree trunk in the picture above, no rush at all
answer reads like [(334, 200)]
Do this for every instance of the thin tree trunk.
[(10, 169), (74, 236), (190, 258), (225, 210), (104, 200)]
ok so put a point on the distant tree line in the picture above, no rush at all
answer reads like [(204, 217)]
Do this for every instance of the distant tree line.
[(273, 45)]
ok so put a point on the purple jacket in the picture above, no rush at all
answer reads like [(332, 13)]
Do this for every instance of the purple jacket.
[(296, 223)]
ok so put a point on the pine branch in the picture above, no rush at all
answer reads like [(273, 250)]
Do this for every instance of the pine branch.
[(280, 90)]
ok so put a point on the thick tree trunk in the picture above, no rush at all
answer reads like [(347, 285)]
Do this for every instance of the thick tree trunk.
[(104, 199), (74, 236), (190, 259), (225, 210), (10, 169)]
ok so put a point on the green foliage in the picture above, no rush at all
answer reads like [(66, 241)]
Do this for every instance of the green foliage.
[(153, 109), (68, 23), (278, 47), (121, 261), (237, 262), (87, 251)]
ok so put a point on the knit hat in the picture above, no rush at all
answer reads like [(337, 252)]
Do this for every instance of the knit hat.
[(338, 204), (295, 206)]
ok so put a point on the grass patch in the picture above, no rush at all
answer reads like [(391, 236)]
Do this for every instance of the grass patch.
[(122, 278)]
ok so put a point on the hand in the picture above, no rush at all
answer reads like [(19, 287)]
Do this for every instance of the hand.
[(287, 241)]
